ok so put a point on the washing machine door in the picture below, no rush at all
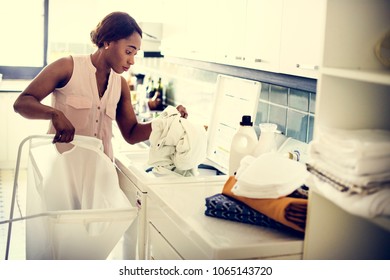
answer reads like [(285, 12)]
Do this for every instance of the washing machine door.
[(132, 245)]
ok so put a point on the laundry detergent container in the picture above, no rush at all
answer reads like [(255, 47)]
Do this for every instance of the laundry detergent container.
[(75, 207)]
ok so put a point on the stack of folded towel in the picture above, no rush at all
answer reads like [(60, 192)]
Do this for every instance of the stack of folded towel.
[(352, 168), (266, 191)]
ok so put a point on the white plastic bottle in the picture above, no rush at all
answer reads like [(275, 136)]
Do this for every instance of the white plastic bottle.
[(267, 142), (243, 143)]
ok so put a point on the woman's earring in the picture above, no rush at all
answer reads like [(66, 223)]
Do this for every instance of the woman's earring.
[(106, 47)]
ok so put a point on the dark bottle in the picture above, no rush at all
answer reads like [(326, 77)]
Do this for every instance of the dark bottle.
[(155, 101), (151, 90), (161, 94)]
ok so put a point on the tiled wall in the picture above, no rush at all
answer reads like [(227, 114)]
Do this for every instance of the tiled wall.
[(291, 109)]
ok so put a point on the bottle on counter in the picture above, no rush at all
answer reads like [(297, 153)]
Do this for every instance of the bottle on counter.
[(243, 143), (156, 101), (162, 94), (150, 89), (143, 93), (267, 141)]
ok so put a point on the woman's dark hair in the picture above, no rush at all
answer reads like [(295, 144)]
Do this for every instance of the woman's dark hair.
[(113, 27)]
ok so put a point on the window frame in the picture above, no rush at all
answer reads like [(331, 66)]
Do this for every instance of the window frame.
[(27, 72)]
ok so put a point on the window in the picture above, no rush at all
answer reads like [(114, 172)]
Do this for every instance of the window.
[(22, 51), (37, 32), (71, 21)]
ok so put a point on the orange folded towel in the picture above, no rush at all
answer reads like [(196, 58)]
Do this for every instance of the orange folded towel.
[(289, 211)]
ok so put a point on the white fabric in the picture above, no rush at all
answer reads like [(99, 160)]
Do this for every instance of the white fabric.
[(76, 190), (369, 206), (352, 165), (270, 175), (352, 169), (177, 146), (357, 159), (358, 181), (356, 143), (356, 152)]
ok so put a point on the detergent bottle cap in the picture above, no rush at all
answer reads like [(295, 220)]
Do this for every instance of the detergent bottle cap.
[(246, 121)]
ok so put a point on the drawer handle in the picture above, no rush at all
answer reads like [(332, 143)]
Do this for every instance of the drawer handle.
[(260, 60), (307, 67)]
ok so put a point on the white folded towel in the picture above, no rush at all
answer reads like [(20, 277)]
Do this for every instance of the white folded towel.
[(176, 144), (332, 168), (358, 160), (347, 163), (369, 206), (357, 143)]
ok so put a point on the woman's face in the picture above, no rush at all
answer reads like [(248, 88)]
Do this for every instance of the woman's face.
[(121, 53)]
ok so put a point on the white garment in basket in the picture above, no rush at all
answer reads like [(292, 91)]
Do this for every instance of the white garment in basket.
[(85, 212)]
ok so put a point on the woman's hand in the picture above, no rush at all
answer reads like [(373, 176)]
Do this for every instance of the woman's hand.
[(64, 129), (183, 111)]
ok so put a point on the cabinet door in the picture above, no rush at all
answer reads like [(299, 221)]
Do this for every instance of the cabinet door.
[(302, 37), (201, 29), (230, 35), (173, 40), (158, 246), (263, 29)]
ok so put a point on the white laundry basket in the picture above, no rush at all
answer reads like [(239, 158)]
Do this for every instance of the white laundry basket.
[(86, 234), (75, 207)]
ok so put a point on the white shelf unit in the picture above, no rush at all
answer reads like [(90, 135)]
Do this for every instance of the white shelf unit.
[(353, 92)]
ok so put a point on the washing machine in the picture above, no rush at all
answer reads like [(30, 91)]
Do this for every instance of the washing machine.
[(179, 229), (234, 97)]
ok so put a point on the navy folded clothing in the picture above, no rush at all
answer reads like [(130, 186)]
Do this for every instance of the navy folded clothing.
[(224, 207)]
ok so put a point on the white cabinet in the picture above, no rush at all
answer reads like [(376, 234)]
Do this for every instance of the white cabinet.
[(158, 247), (230, 18), (282, 36), (301, 38), (190, 29), (209, 30), (353, 93), (201, 31), (134, 240), (262, 34), (332, 233), (173, 41), (179, 229)]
